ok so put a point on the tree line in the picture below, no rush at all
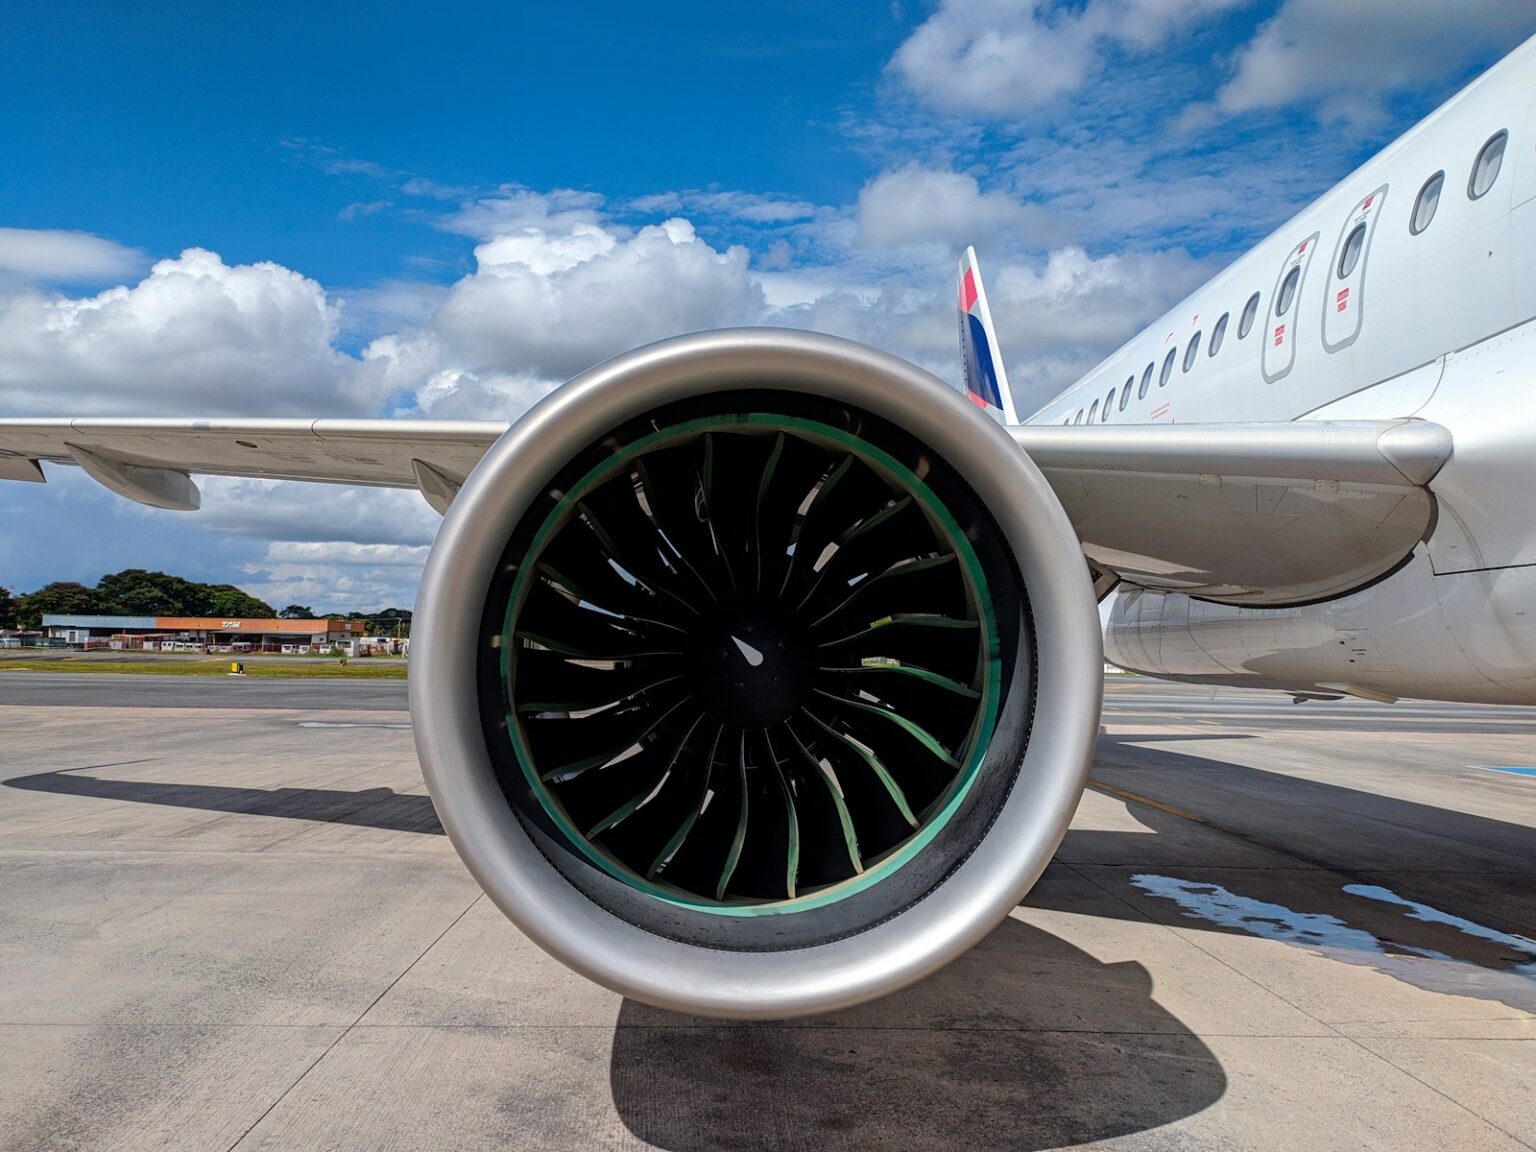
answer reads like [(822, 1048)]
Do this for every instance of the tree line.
[(138, 592)]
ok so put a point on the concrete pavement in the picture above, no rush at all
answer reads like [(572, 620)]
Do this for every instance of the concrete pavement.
[(227, 927)]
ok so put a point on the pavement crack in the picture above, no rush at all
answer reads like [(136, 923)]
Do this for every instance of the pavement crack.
[(347, 1031)]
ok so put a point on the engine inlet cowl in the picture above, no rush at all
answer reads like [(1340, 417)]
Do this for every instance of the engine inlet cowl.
[(738, 649)]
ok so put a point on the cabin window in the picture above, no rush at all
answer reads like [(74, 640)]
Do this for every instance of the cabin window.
[(1486, 170), (1162, 377), (1424, 207), (1125, 391), (1191, 352), (1146, 382), (1250, 313), (1079, 418), (1350, 256), (1108, 401), (1287, 291), (1093, 413), (1067, 423), (1219, 333)]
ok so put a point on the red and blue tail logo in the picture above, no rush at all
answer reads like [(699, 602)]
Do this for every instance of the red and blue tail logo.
[(986, 381)]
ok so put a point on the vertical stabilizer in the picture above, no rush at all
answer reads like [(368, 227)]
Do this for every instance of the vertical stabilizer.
[(986, 381)]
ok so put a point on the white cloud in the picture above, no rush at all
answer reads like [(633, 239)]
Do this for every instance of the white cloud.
[(546, 303), (1009, 57), (327, 546), (746, 206), (363, 208), (916, 205), (1349, 55), (557, 287), (341, 552), (47, 254), (343, 585), (194, 337), (513, 209), (543, 253), (328, 514), (1078, 304)]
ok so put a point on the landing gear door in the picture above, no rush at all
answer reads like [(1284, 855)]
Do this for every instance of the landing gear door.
[(1284, 309), (1344, 301)]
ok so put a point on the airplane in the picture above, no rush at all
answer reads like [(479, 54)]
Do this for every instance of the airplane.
[(757, 673)]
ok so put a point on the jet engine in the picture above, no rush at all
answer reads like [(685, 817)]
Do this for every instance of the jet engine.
[(756, 673)]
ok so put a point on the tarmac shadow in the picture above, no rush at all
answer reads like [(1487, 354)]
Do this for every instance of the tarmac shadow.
[(1024, 1043), (381, 808)]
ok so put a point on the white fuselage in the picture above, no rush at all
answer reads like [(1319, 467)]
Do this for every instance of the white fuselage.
[(1411, 317)]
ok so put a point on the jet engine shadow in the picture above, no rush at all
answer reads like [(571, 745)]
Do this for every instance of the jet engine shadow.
[(1026, 1042), (381, 808)]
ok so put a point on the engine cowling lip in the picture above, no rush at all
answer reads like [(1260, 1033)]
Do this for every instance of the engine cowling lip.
[(525, 885)]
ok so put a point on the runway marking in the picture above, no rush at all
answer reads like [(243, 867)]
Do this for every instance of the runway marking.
[(1133, 798), (1506, 770), (343, 724)]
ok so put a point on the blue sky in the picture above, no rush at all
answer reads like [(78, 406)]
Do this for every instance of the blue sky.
[(351, 209)]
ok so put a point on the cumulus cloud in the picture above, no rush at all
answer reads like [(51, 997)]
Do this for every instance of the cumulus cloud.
[(1009, 57), (51, 255), (558, 285), (1076, 303), (547, 302), (513, 209), (328, 579), (917, 205), (329, 547), (1056, 316), (331, 514), (194, 337), (1348, 56)]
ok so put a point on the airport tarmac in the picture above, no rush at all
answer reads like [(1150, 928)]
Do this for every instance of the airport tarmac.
[(231, 922)]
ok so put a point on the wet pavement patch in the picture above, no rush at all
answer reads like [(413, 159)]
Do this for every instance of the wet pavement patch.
[(1420, 949)]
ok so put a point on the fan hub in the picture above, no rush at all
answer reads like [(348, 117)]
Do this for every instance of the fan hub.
[(752, 662)]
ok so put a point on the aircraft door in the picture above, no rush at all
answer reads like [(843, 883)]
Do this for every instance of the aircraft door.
[(1522, 220), (1523, 149), (1285, 309), (1344, 301)]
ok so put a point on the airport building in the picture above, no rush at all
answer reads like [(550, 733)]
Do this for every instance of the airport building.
[(197, 634)]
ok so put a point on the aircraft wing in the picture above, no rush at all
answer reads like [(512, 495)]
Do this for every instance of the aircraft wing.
[(150, 460), (1271, 514)]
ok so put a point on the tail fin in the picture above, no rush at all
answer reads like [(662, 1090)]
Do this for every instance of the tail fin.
[(986, 381)]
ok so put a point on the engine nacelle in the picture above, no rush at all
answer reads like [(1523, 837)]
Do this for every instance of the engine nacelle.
[(756, 673)]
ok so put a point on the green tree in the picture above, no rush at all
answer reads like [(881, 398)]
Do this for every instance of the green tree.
[(228, 602), (64, 598), (137, 592), (296, 612), (7, 608)]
